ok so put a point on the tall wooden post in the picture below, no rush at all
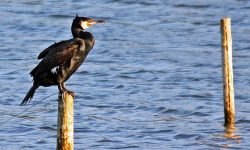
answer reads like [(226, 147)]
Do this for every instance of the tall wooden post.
[(65, 124), (226, 42)]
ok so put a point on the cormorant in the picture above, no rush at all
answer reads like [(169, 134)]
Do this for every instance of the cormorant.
[(61, 60)]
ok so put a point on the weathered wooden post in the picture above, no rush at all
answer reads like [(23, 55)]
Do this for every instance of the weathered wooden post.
[(65, 124), (226, 46)]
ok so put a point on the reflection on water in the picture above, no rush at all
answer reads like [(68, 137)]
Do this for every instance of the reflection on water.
[(228, 139), (230, 133), (152, 80)]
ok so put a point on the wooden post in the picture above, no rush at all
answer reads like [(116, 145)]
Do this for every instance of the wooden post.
[(65, 124), (226, 42)]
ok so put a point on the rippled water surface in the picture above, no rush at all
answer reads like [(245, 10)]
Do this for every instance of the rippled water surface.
[(152, 80)]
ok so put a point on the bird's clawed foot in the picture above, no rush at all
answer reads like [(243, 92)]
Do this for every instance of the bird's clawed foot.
[(71, 93), (63, 91)]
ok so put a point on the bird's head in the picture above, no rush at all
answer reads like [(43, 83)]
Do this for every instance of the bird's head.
[(84, 22)]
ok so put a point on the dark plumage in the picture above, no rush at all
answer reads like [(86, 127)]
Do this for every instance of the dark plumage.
[(62, 59)]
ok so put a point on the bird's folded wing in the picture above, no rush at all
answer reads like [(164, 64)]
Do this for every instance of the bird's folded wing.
[(52, 47), (56, 56)]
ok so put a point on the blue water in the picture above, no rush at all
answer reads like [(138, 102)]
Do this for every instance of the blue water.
[(152, 80)]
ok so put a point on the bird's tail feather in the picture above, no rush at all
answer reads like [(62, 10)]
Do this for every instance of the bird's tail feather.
[(29, 95)]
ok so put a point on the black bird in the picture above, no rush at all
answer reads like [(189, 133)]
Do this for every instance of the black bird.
[(61, 60)]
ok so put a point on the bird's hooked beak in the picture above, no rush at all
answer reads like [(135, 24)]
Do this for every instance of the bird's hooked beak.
[(91, 22)]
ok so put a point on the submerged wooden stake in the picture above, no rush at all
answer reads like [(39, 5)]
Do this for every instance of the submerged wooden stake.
[(65, 124), (226, 42)]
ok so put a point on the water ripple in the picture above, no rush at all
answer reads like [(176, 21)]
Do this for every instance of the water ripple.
[(152, 80)]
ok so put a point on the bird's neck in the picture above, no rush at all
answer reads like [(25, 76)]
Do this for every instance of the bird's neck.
[(88, 38), (79, 33), (86, 35), (76, 32)]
